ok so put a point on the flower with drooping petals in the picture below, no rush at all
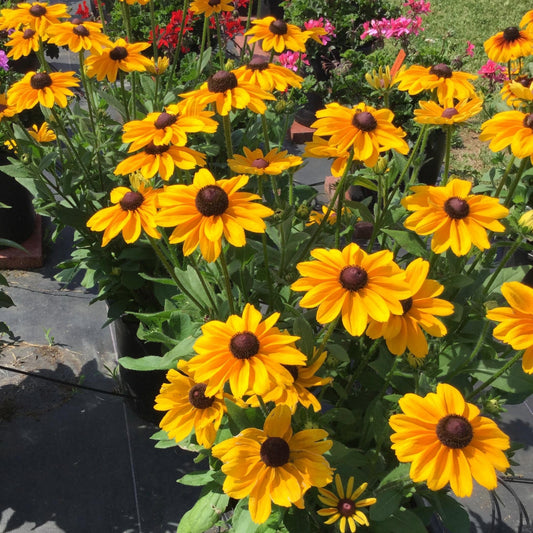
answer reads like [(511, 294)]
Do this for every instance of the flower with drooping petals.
[(209, 7), (453, 112), (509, 44), (321, 148), (22, 43), (255, 162), (6, 110), (267, 75), (42, 134), (86, 35), (518, 93), (276, 34), (38, 16)]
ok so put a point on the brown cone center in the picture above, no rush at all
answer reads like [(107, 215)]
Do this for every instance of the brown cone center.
[(456, 208), (449, 112), (293, 370), (528, 121), (155, 149), (197, 397), (244, 345), (81, 30), (131, 201), (275, 452), (40, 80), (164, 120), (454, 431), (441, 70), (278, 27), (511, 34), (260, 163), (364, 121), (353, 278), (211, 200), (406, 304), (37, 10), (257, 63), (3, 107), (213, 3), (118, 53), (346, 507), (222, 81), (28, 33)]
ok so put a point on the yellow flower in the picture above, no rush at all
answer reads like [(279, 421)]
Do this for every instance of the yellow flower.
[(277, 35), (22, 43), (456, 218), (316, 218), (188, 408), (133, 211), (42, 88), (42, 134), (354, 284), (518, 92), (516, 322), (37, 16), (245, 351), (255, 162), (209, 7), (208, 210), (321, 148), (267, 75), (120, 56), (433, 113), (420, 310), (448, 83), (509, 44), (526, 220), (274, 464), (366, 130), (447, 441), (6, 110), (157, 68), (382, 79), (526, 19), (83, 36), (227, 93), (345, 505)]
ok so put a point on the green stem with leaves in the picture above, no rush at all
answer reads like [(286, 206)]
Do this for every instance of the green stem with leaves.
[(515, 182)]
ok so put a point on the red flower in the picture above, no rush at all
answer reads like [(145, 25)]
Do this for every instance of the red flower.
[(83, 10)]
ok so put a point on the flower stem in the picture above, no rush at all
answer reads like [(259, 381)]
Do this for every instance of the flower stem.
[(445, 176), (227, 281), (205, 30), (219, 39), (508, 169), (227, 136), (514, 183), (331, 328)]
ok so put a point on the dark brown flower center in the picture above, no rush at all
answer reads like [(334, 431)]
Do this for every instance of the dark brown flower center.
[(528, 121), (353, 278), (164, 120), (449, 112), (214, 2), (197, 397), (260, 163), (511, 34), (278, 27), (131, 201), (257, 63), (244, 345), (40, 80), (37, 10), (155, 149), (3, 107), (456, 207), (81, 30), (441, 70), (524, 81), (293, 370), (118, 53), (454, 431), (28, 33), (346, 507), (364, 121), (212, 200), (275, 452), (406, 305), (222, 81)]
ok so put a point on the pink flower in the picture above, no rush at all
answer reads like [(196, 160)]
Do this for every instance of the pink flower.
[(492, 71), (392, 28), (469, 49), (417, 6), (290, 59), (327, 25)]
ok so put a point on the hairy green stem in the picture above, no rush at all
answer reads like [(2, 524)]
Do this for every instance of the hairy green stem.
[(227, 281)]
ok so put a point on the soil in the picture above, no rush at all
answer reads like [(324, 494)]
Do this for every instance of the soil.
[(472, 157)]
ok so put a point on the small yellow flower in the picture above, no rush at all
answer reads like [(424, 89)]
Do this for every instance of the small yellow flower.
[(381, 79), (158, 67), (526, 220), (42, 134)]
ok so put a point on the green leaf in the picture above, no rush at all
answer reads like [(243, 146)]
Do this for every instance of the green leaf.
[(243, 417), (388, 503), (452, 514), (409, 241), (242, 520), (514, 381), (197, 479), (303, 329), (400, 521), (398, 474)]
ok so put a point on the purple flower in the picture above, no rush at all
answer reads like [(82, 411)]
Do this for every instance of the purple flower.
[(4, 61)]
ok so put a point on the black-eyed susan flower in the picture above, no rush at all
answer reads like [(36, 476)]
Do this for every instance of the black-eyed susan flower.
[(247, 352), (162, 159), (276, 34), (47, 89), (255, 162), (447, 441), (274, 464), (345, 506), (268, 76), (6, 110), (382, 79), (22, 43), (316, 217), (35, 15), (158, 67), (449, 84), (209, 7), (188, 408), (526, 19), (354, 284), (226, 92), (42, 133), (365, 130), (510, 128), (455, 112), (420, 311), (516, 322), (518, 93), (321, 148), (455, 218), (133, 211), (83, 35), (121, 55), (208, 210), (509, 44)]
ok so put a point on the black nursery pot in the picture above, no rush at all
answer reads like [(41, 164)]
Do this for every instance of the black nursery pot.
[(433, 157)]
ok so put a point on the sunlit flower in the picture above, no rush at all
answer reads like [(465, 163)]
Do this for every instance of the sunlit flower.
[(345, 505), (511, 43), (526, 220), (455, 218), (157, 68), (276, 34), (316, 218), (274, 464), (22, 43), (321, 148), (122, 56), (431, 112), (516, 322), (227, 93), (447, 441), (247, 352), (132, 212), (209, 7), (420, 310), (188, 408), (354, 284), (255, 162), (42, 134), (162, 159), (382, 78), (6, 110), (267, 75), (366, 130), (208, 210), (526, 19), (36, 15), (510, 128), (47, 89), (448, 83), (86, 35), (518, 92)]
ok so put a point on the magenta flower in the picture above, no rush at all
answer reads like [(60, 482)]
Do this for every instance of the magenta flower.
[(469, 49), (290, 59), (492, 71), (327, 25), (417, 7), (4, 61)]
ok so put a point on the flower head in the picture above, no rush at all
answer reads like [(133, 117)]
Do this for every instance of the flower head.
[(22, 43), (276, 34), (319, 30), (494, 72), (321, 148), (274, 464), (85, 35), (292, 60), (456, 218), (354, 284), (255, 162), (447, 441), (381, 79), (38, 16), (6, 110), (518, 92), (267, 75), (516, 322), (210, 7), (453, 112), (345, 505), (208, 210), (42, 134), (511, 43)]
